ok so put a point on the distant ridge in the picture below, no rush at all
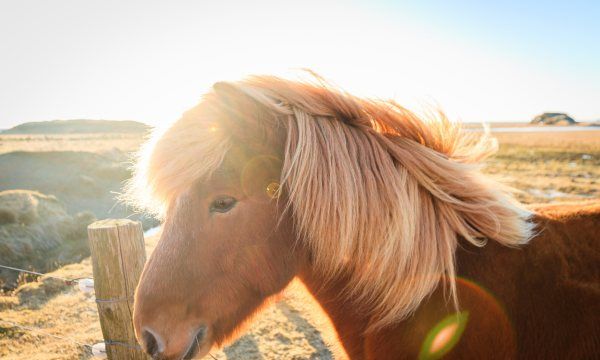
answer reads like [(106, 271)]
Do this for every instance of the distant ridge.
[(78, 126), (553, 119)]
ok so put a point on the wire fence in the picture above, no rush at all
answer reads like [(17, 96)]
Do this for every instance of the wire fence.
[(97, 349), (86, 285), (67, 281), (45, 333)]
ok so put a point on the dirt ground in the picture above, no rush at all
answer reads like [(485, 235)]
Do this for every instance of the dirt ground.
[(544, 167)]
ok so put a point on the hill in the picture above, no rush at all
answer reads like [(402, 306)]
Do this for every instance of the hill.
[(78, 126), (553, 119), (38, 234), (81, 181)]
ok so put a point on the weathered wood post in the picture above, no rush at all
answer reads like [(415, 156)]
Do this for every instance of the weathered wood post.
[(118, 257)]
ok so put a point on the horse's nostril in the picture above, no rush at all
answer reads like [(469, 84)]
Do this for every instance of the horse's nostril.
[(150, 343), (196, 343)]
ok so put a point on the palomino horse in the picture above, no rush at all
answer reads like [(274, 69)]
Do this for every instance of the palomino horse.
[(384, 216)]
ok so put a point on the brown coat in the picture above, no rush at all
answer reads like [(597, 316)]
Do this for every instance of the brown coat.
[(540, 301)]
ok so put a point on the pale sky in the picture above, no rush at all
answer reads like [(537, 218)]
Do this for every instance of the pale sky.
[(151, 60)]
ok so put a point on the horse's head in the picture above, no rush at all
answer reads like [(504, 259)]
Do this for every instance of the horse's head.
[(226, 245), (266, 178), (224, 250)]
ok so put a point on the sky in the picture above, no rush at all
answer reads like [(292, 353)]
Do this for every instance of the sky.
[(480, 61)]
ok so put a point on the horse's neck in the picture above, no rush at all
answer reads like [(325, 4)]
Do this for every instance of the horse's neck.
[(406, 337), (349, 323)]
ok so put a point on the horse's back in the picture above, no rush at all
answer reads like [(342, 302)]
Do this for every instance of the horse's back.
[(560, 288), (549, 288), (569, 238)]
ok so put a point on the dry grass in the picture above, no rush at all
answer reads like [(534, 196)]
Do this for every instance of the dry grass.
[(70, 314), (70, 142), (557, 141), (549, 166), (543, 166)]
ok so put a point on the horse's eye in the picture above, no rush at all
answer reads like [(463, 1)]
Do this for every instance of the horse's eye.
[(222, 204)]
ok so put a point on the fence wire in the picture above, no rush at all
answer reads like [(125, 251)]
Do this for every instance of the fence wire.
[(63, 338), (67, 281), (39, 330), (45, 333)]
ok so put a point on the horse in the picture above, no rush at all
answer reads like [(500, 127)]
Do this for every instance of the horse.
[(383, 214)]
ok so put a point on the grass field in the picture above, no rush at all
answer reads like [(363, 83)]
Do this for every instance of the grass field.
[(548, 167), (70, 142), (543, 167)]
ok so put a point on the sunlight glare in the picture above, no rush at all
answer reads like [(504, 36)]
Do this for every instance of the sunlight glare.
[(442, 338)]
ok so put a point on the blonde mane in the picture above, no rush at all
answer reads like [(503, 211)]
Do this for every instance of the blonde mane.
[(376, 192)]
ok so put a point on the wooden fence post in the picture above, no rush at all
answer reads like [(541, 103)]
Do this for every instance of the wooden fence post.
[(118, 257)]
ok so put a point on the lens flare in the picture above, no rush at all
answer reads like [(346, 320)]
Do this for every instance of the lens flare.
[(442, 338), (482, 312), (261, 174), (273, 190)]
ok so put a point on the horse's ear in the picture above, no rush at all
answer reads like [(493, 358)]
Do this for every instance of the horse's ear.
[(244, 116), (229, 93), (238, 105)]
